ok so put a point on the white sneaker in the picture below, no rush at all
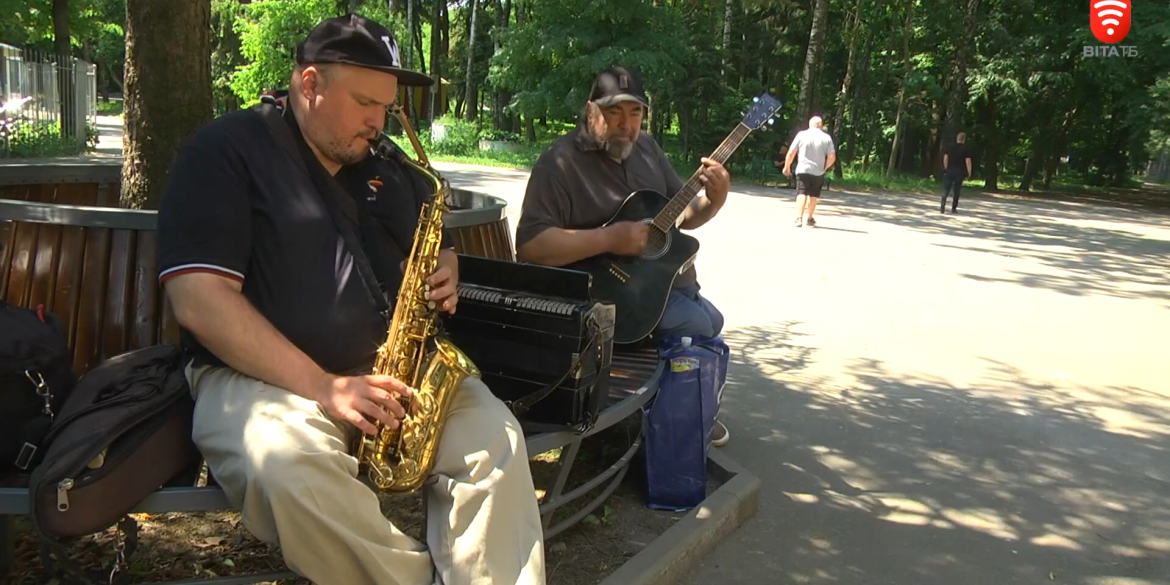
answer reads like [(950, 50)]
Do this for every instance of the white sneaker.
[(719, 435)]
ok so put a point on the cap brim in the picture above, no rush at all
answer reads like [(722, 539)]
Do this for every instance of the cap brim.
[(408, 77), (405, 76), (610, 100)]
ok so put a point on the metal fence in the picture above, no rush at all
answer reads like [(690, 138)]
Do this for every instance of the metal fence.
[(45, 97)]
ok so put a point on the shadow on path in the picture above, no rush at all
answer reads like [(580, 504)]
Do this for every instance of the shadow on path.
[(894, 478)]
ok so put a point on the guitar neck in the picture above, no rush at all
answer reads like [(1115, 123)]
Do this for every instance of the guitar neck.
[(669, 215)]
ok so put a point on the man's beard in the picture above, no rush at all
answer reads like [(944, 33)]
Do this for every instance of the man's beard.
[(619, 150), (344, 153)]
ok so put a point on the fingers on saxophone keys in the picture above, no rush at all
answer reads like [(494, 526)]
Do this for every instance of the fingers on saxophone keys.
[(379, 414), (358, 420)]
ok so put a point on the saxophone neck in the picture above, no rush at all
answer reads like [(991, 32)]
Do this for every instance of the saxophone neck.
[(383, 144), (414, 142)]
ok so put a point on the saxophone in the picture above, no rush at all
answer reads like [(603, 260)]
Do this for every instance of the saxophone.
[(414, 352)]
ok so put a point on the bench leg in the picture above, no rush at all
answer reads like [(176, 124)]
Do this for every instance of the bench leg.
[(564, 465), (7, 544)]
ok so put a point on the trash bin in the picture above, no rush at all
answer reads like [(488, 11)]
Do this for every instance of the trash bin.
[(479, 225)]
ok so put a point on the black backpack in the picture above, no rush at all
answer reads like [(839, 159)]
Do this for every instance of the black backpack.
[(36, 376), (124, 433)]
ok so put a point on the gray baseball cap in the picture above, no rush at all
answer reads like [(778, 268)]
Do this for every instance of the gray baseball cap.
[(618, 84)]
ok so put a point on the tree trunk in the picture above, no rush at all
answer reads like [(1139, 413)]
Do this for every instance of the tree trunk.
[(812, 62), (1058, 145), (1032, 167), (118, 79), (725, 48), (67, 100), (858, 104), (168, 90), (472, 112), (957, 96), (408, 93), (436, 90), (930, 162), (901, 92), (843, 94), (991, 154), (501, 99)]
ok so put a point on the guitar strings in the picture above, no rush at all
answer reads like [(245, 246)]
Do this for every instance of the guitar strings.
[(692, 186)]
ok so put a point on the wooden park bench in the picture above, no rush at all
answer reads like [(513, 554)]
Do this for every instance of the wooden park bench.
[(65, 244)]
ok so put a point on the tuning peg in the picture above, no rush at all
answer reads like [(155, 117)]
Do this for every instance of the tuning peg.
[(756, 100), (771, 121)]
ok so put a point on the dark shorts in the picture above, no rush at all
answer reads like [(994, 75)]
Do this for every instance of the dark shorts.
[(809, 184)]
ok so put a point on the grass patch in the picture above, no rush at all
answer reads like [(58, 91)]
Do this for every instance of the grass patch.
[(863, 179), (488, 158), (110, 108)]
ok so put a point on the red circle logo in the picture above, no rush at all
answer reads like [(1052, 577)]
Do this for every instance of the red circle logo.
[(1109, 19)]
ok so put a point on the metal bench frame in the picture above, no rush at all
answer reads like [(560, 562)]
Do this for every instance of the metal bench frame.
[(622, 403)]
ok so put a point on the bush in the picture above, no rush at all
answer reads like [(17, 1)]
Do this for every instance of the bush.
[(462, 137), (499, 135), (25, 138)]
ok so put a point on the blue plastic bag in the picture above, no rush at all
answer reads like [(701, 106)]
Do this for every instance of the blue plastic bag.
[(680, 420)]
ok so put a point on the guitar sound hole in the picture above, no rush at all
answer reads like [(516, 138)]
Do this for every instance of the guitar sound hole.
[(657, 243)]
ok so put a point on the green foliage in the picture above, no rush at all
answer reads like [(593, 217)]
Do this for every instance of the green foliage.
[(1027, 90), (461, 139), (110, 108), (550, 60), (41, 138), (269, 33)]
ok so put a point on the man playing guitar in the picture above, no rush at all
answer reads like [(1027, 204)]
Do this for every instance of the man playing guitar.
[(583, 178)]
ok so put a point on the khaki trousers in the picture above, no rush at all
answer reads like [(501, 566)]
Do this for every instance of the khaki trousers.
[(286, 466)]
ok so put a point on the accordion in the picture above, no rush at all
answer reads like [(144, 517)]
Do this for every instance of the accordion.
[(541, 344)]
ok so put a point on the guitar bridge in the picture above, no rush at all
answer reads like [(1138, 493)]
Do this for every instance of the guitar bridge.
[(618, 273)]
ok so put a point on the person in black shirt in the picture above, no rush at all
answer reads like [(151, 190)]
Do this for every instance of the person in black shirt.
[(956, 168), (283, 331), (581, 180)]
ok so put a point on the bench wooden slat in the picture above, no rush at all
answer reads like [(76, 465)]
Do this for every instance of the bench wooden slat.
[(7, 244), (44, 273), (23, 249), (119, 295), (17, 192), (93, 299), (67, 294), (144, 316)]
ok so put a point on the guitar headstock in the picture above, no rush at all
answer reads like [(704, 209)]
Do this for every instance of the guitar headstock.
[(764, 107)]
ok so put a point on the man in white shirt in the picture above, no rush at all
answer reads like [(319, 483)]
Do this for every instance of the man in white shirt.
[(814, 152)]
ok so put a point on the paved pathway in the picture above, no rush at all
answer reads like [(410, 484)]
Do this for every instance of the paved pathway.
[(981, 398)]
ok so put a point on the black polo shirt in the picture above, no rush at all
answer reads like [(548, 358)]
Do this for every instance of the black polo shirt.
[(239, 205), (576, 185)]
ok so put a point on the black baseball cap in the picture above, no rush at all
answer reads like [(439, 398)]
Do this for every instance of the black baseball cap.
[(356, 40), (618, 84)]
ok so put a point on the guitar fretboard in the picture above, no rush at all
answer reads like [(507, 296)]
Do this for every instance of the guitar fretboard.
[(670, 214)]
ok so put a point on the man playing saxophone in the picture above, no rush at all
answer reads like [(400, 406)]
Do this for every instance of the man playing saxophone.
[(283, 333)]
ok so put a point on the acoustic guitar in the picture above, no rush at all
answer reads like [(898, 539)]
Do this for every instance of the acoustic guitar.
[(639, 286)]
